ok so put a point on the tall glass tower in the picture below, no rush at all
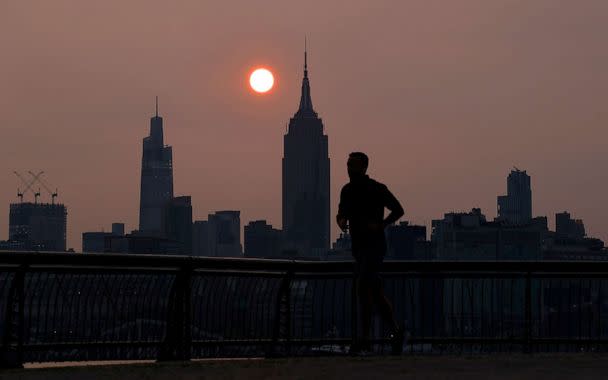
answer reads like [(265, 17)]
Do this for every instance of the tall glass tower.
[(156, 178)]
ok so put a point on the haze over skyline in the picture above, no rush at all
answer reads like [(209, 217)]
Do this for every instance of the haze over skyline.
[(444, 97)]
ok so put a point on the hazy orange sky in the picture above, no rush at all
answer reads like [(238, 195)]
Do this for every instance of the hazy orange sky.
[(445, 97)]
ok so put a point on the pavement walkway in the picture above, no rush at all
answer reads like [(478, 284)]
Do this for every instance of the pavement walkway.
[(513, 366)]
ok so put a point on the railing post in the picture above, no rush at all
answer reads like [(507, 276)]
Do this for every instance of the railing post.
[(282, 319), (178, 340), (11, 355), (528, 314)]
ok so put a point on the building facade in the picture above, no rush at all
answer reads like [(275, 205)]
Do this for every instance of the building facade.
[(516, 206), (38, 226), (96, 242), (262, 240), (407, 242), (565, 226), (469, 236), (118, 229), (306, 200), (101, 241), (225, 234), (156, 178), (200, 238), (219, 235), (341, 249), (177, 223)]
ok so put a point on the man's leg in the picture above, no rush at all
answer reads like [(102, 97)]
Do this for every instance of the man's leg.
[(367, 303), (385, 309)]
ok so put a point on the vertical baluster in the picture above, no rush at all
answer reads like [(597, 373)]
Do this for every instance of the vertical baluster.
[(528, 314)]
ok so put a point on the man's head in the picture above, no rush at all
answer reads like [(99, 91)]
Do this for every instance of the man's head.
[(357, 164)]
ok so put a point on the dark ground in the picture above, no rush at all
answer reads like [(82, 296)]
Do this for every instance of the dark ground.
[(521, 367)]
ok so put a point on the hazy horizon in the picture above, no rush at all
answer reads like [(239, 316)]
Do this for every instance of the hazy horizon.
[(444, 97)]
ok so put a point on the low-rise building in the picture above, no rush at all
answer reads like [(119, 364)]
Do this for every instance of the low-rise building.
[(469, 236), (262, 240), (407, 242)]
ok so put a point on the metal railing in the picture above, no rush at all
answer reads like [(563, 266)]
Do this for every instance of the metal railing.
[(70, 307)]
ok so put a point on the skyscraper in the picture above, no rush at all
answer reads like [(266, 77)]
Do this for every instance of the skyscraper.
[(516, 206), (306, 179), (156, 178)]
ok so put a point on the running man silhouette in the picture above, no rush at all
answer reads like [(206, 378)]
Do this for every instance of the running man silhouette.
[(361, 209)]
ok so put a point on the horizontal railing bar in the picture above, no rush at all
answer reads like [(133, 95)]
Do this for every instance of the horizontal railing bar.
[(586, 275), (568, 341), (108, 260), (497, 275), (238, 273), (308, 275), (412, 340), (459, 274), (332, 275), (459, 340), (9, 267), (296, 341), (98, 269), (230, 342), (517, 340), (346, 341), (68, 345)]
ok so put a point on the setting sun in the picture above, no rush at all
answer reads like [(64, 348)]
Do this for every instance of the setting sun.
[(261, 80)]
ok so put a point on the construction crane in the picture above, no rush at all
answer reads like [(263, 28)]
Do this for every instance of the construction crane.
[(38, 177), (35, 178), (28, 184)]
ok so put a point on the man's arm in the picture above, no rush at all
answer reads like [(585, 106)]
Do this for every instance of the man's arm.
[(391, 203), (341, 217)]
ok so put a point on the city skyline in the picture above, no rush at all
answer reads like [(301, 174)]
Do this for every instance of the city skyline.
[(80, 110)]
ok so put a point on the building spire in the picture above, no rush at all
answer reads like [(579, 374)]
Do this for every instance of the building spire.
[(305, 59), (305, 99), (157, 106)]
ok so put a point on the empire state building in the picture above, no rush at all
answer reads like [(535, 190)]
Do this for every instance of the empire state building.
[(306, 179)]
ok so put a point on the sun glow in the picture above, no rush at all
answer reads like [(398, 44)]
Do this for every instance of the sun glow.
[(261, 80)]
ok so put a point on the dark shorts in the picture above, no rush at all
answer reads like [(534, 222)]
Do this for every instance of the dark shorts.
[(368, 266)]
